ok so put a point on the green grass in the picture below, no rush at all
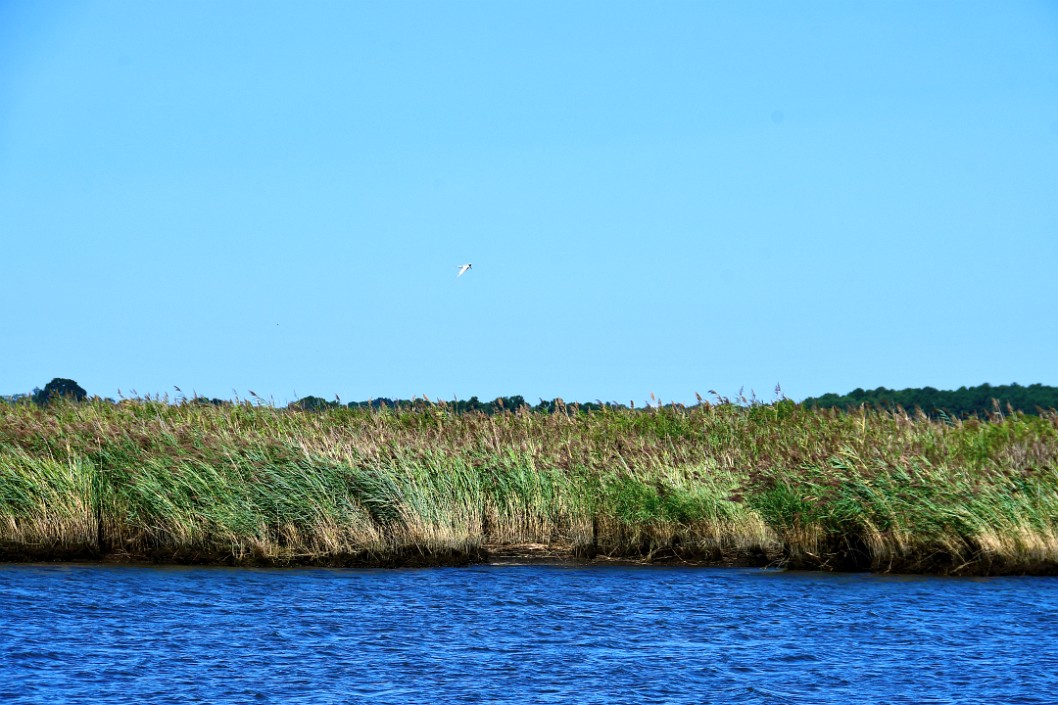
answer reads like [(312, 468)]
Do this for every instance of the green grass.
[(863, 490)]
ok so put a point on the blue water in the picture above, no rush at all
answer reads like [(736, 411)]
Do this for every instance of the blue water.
[(521, 634)]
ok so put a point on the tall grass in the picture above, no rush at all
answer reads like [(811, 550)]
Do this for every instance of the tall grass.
[(755, 483)]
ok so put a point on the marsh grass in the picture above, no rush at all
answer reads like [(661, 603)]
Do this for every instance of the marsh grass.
[(861, 490), (48, 506)]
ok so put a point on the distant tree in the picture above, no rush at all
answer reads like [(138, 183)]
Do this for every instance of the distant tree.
[(314, 404), (962, 402), (502, 404), (60, 387), (471, 404), (545, 407), (206, 401)]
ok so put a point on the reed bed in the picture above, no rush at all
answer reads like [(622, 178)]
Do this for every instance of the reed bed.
[(754, 484)]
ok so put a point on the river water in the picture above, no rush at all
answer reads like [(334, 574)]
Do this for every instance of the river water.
[(521, 634)]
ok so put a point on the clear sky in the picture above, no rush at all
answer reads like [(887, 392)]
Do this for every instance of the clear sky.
[(656, 197)]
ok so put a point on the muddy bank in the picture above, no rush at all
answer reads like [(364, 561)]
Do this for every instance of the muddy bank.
[(936, 563)]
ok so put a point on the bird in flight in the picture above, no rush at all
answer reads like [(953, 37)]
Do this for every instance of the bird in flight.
[(463, 269)]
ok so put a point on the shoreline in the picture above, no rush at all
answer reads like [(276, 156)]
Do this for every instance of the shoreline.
[(527, 554), (497, 554)]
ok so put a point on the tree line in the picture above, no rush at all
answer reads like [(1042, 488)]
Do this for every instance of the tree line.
[(457, 406), (964, 402)]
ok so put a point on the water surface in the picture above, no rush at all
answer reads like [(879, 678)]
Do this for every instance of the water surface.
[(521, 634)]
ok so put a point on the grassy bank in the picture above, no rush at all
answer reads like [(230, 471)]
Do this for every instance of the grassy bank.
[(763, 484)]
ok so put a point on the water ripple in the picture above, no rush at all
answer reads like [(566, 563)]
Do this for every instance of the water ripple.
[(520, 634)]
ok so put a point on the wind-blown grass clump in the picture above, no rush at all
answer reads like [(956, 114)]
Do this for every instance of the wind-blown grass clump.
[(778, 484)]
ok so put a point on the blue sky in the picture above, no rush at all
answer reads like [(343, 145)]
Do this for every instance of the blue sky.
[(658, 198)]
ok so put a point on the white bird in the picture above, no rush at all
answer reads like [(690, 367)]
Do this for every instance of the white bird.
[(463, 269)]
